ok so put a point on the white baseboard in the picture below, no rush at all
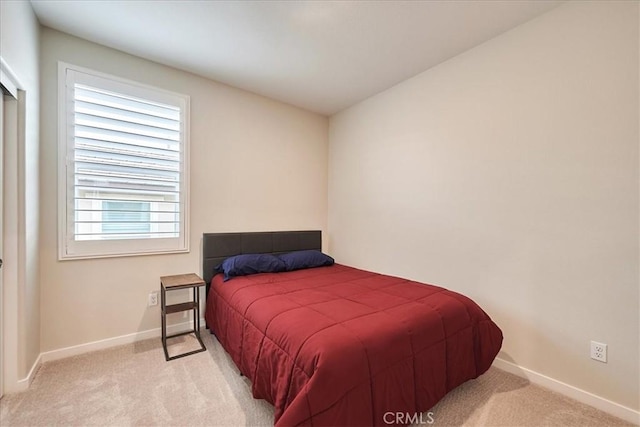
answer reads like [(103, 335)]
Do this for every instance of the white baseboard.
[(47, 356), (575, 393), (63, 353), (24, 383)]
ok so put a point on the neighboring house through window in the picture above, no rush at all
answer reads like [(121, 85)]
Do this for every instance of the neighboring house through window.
[(120, 217), (123, 167)]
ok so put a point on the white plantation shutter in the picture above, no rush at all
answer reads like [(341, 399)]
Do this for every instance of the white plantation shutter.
[(124, 167)]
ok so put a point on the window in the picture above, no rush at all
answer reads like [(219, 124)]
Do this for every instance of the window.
[(125, 217), (123, 167)]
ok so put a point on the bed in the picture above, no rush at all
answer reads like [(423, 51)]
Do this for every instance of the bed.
[(336, 345)]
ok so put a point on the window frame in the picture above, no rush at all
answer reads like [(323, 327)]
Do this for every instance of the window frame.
[(83, 249)]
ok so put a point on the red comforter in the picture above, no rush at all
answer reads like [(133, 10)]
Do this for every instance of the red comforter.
[(341, 346)]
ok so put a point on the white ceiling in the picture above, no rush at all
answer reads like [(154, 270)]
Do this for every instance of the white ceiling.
[(319, 55)]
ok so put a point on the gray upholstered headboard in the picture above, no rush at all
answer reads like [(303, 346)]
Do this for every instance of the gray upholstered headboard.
[(218, 246)]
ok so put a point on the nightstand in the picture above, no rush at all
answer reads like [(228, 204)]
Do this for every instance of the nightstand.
[(172, 283)]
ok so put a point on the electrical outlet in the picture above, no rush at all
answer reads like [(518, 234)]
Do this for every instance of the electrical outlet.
[(599, 351), (153, 299)]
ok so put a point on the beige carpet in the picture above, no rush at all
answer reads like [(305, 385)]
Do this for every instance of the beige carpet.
[(133, 385)]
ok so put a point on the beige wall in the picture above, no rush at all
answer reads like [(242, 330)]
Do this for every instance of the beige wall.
[(256, 165), (510, 174), (19, 32)]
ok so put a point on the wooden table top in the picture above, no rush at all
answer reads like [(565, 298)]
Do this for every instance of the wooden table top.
[(181, 280)]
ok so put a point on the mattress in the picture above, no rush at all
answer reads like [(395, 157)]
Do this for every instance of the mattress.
[(342, 346)]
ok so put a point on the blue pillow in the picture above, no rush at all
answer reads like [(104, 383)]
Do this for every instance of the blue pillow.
[(305, 259), (242, 265)]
